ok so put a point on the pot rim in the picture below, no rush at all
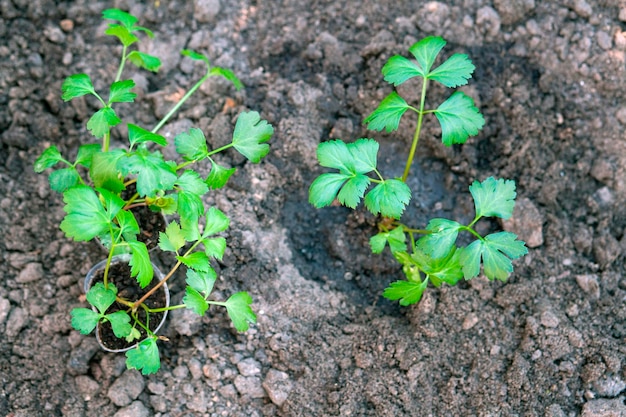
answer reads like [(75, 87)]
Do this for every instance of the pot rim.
[(125, 258)]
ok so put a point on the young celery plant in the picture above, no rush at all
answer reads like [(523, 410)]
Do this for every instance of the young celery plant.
[(434, 257)]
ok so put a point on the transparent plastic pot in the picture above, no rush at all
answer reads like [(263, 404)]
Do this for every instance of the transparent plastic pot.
[(124, 258)]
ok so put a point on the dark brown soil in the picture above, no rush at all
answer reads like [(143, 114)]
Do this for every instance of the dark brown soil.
[(129, 289), (150, 222), (550, 80)]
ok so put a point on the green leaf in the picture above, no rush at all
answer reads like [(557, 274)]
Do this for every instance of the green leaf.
[(388, 114), (76, 85), (196, 260), (398, 69), (164, 204), (84, 320), (239, 311), (215, 247), (190, 208), (102, 121), (144, 357), (63, 179), (426, 51), (138, 135), (455, 71), (324, 189), (145, 61), (218, 177), (445, 269), (395, 238), (191, 182), (100, 297), (173, 239), (86, 153), (202, 282), (112, 202), (494, 198), (216, 222), (496, 250), (250, 135), (49, 158), (120, 92), (122, 33), (191, 146), (86, 217), (195, 56), (229, 75), (140, 265), (153, 173), (128, 224), (442, 238), (459, 118), (352, 192), (120, 323), (194, 301), (407, 292), (126, 19), (104, 172), (389, 198)]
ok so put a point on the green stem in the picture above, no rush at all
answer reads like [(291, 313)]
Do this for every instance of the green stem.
[(162, 309), (122, 62), (107, 266), (472, 231), (416, 136), (181, 102)]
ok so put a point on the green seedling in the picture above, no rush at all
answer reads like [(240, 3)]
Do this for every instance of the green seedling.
[(431, 254), (96, 207)]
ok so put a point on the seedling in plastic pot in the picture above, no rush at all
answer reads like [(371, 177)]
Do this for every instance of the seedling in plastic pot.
[(103, 187), (430, 254)]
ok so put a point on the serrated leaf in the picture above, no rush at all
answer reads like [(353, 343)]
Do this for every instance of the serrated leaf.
[(140, 265), (48, 158), (145, 61), (173, 239), (216, 222), (445, 269), (195, 302), (395, 238), (122, 33), (442, 238), (76, 85), (214, 247), (494, 198), (102, 121), (364, 154), (120, 323), (455, 71), (218, 177), (250, 135), (196, 260), (336, 154), (63, 179), (86, 153), (100, 297), (126, 19), (239, 311), (407, 292), (191, 146), (459, 118), (153, 173), (104, 172), (144, 357), (84, 320), (228, 75), (388, 114), (494, 250), (324, 189), (191, 182), (202, 282), (195, 56), (389, 198), (129, 228), (120, 92), (352, 192), (190, 208), (138, 135), (426, 51), (86, 217), (398, 69)]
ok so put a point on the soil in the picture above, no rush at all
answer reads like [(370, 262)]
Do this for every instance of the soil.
[(550, 80), (128, 289), (150, 222)]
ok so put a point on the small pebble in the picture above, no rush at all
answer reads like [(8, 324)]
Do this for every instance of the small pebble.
[(31, 273), (126, 388), (278, 386), (135, 409)]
